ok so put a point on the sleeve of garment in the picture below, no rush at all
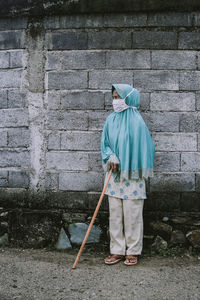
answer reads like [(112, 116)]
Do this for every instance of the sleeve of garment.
[(106, 152)]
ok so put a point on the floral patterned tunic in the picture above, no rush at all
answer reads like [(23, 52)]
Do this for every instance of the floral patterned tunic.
[(130, 189)]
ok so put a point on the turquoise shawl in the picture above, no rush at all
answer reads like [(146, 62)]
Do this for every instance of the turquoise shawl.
[(126, 136)]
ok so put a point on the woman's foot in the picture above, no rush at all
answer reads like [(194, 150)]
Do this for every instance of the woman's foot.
[(130, 260), (113, 259)]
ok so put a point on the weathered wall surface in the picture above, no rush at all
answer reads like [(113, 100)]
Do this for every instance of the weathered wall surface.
[(55, 94)]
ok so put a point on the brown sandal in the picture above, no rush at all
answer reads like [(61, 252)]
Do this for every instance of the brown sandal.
[(131, 260), (113, 259)]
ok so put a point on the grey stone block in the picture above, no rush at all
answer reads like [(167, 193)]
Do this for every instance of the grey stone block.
[(16, 98), (189, 40), (3, 138), (109, 40), (156, 80), (190, 122), (51, 22), (68, 120), (14, 159), (172, 101), (78, 231), (16, 58), (53, 99), (154, 40), (105, 79), (51, 181), (128, 59), (67, 40), (18, 179), (175, 141), (190, 80), (12, 40), (197, 182), (197, 101), (97, 120), (3, 178), (81, 21), (94, 161), (79, 140), (53, 61), (82, 100), (125, 20), (18, 137), (3, 99), (10, 78), (13, 117), (196, 18), (13, 23), (174, 60), (54, 140), (81, 181), (63, 241), (70, 161), (4, 60), (190, 162), (67, 80), (177, 182), (167, 162), (198, 136), (161, 121), (170, 19), (83, 59)]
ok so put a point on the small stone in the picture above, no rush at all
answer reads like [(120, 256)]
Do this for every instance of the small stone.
[(4, 240), (177, 238), (165, 219), (194, 238), (162, 229), (63, 241), (180, 220), (159, 244), (78, 231)]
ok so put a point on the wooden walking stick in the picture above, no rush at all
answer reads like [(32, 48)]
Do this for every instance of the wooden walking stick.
[(92, 221)]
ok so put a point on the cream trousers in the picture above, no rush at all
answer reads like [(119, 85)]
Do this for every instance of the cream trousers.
[(125, 226)]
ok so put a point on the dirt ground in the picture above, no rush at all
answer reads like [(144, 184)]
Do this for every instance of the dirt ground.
[(45, 274)]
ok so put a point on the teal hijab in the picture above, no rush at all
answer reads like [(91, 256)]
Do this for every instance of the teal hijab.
[(126, 136)]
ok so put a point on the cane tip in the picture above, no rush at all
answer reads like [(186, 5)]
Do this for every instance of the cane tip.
[(73, 267)]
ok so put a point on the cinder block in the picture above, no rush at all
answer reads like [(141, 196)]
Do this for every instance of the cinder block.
[(83, 59), (18, 137), (170, 19), (128, 59), (67, 40), (16, 98), (54, 140), (18, 179), (51, 182), (68, 120), (154, 40), (14, 23), (53, 99), (10, 78), (4, 60), (162, 121), (97, 120), (12, 39), (16, 58), (190, 201), (82, 100), (71, 161), (198, 137), (3, 138), (3, 178), (67, 80), (13, 117), (80, 140), (81, 21), (156, 80), (81, 181), (3, 99), (125, 20), (105, 79), (189, 40), (197, 101), (197, 182), (190, 122), (14, 159), (196, 18), (177, 182), (190, 162), (175, 141), (174, 60), (53, 61), (190, 80), (167, 162), (109, 40), (165, 101), (94, 161), (163, 201)]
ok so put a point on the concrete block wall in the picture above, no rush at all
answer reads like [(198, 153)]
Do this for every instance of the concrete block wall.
[(55, 94)]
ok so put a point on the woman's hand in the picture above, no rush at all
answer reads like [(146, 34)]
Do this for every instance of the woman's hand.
[(115, 167)]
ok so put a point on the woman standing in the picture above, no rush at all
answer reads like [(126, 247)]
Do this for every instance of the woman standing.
[(127, 148)]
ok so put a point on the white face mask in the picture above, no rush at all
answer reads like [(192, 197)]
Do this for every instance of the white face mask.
[(120, 105)]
